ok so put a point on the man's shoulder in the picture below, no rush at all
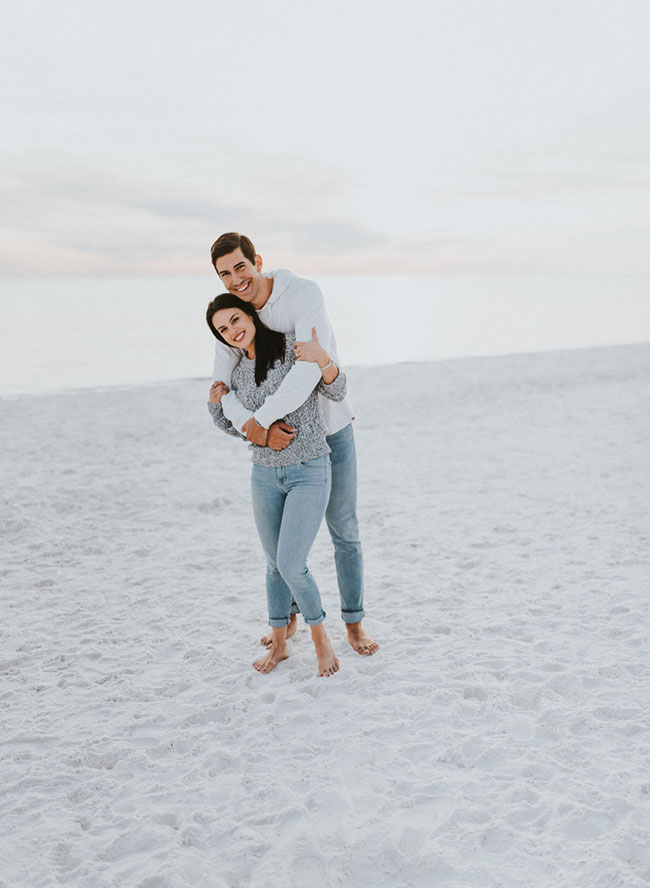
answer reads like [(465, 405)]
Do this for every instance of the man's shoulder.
[(287, 284)]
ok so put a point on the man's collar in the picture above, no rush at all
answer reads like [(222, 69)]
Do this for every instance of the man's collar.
[(270, 275), (281, 279)]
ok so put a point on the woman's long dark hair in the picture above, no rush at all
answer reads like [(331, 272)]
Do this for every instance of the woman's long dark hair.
[(269, 344)]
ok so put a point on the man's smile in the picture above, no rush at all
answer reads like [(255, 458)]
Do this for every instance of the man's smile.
[(243, 277)]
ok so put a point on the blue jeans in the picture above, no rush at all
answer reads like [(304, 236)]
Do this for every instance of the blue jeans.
[(288, 504), (341, 517)]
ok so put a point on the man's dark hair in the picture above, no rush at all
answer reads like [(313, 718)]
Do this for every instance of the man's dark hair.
[(269, 344), (229, 242)]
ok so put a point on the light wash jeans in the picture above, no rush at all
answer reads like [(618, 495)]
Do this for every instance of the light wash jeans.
[(288, 504), (341, 517)]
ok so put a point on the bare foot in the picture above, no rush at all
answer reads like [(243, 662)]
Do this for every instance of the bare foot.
[(274, 656), (277, 652), (267, 640), (362, 643), (328, 662)]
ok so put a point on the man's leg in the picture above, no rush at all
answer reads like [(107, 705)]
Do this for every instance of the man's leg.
[(341, 517)]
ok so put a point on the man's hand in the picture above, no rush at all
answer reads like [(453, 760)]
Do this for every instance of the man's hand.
[(217, 391), (280, 434), (254, 432)]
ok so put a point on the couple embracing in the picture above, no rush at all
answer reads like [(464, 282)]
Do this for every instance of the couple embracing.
[(278, 386)]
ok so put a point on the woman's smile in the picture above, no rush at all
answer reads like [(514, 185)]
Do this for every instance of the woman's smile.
[(237, 329)]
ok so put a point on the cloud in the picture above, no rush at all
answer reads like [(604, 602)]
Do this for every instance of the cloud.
[(69, 214), (88, 219)]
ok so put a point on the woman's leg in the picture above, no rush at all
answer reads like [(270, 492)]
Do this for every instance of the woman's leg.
[(268, 506), (307, 486)]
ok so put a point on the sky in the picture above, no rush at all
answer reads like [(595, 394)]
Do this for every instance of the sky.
[(360, 136)]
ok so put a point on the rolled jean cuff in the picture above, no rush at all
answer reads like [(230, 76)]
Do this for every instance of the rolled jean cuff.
[(353, 616), (279, 622), (315, 622)]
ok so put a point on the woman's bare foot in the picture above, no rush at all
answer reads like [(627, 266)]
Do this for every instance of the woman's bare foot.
[(277, 652), (266, 664), (362, 643), (266, 640), (328, 662)]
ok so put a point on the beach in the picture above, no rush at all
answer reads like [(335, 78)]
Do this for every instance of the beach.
[(66, 333), (500, 735)]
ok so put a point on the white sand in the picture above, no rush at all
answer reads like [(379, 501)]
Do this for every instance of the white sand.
[(501, 735)]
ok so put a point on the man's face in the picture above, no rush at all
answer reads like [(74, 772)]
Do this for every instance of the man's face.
[(240, 276)]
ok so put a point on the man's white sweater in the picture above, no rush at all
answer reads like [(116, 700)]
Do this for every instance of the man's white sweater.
[(294, 306)]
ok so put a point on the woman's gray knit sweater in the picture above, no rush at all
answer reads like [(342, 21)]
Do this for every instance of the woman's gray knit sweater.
[(309, 440)]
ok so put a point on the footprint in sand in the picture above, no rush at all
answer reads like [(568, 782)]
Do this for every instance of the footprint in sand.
[(475, 693), (411, 841), (424, 820), (64, 860)]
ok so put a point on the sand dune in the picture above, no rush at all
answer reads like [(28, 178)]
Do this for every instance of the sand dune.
[(499, 737)]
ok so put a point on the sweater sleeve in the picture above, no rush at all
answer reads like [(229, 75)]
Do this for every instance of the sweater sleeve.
[(304, 311), (225, 360), (224, 424), (336, 390)]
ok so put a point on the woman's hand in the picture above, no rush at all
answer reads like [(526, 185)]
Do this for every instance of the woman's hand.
[(217, 391), (314, 351), (311, 351)]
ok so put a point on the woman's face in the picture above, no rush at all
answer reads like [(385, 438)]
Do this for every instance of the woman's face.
[(236, 327)]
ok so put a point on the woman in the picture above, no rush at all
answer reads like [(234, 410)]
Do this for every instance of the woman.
[(290, 487)]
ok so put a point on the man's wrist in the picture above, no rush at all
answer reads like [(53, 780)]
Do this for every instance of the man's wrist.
[(234, 410), (255, 432), (262, 433)]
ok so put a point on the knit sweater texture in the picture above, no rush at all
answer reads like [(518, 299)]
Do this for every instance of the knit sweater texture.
[(310, 438)]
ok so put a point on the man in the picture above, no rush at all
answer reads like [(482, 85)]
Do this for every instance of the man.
[(291, 304)]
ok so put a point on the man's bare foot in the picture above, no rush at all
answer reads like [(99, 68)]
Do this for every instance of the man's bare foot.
[(328, 662), (362, 643), (277, 652), (267, 640)]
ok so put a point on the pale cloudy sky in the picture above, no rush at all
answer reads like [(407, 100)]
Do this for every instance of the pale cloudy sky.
[(424, 135)]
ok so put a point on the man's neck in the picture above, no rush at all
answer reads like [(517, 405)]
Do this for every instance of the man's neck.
[(265, 294)]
